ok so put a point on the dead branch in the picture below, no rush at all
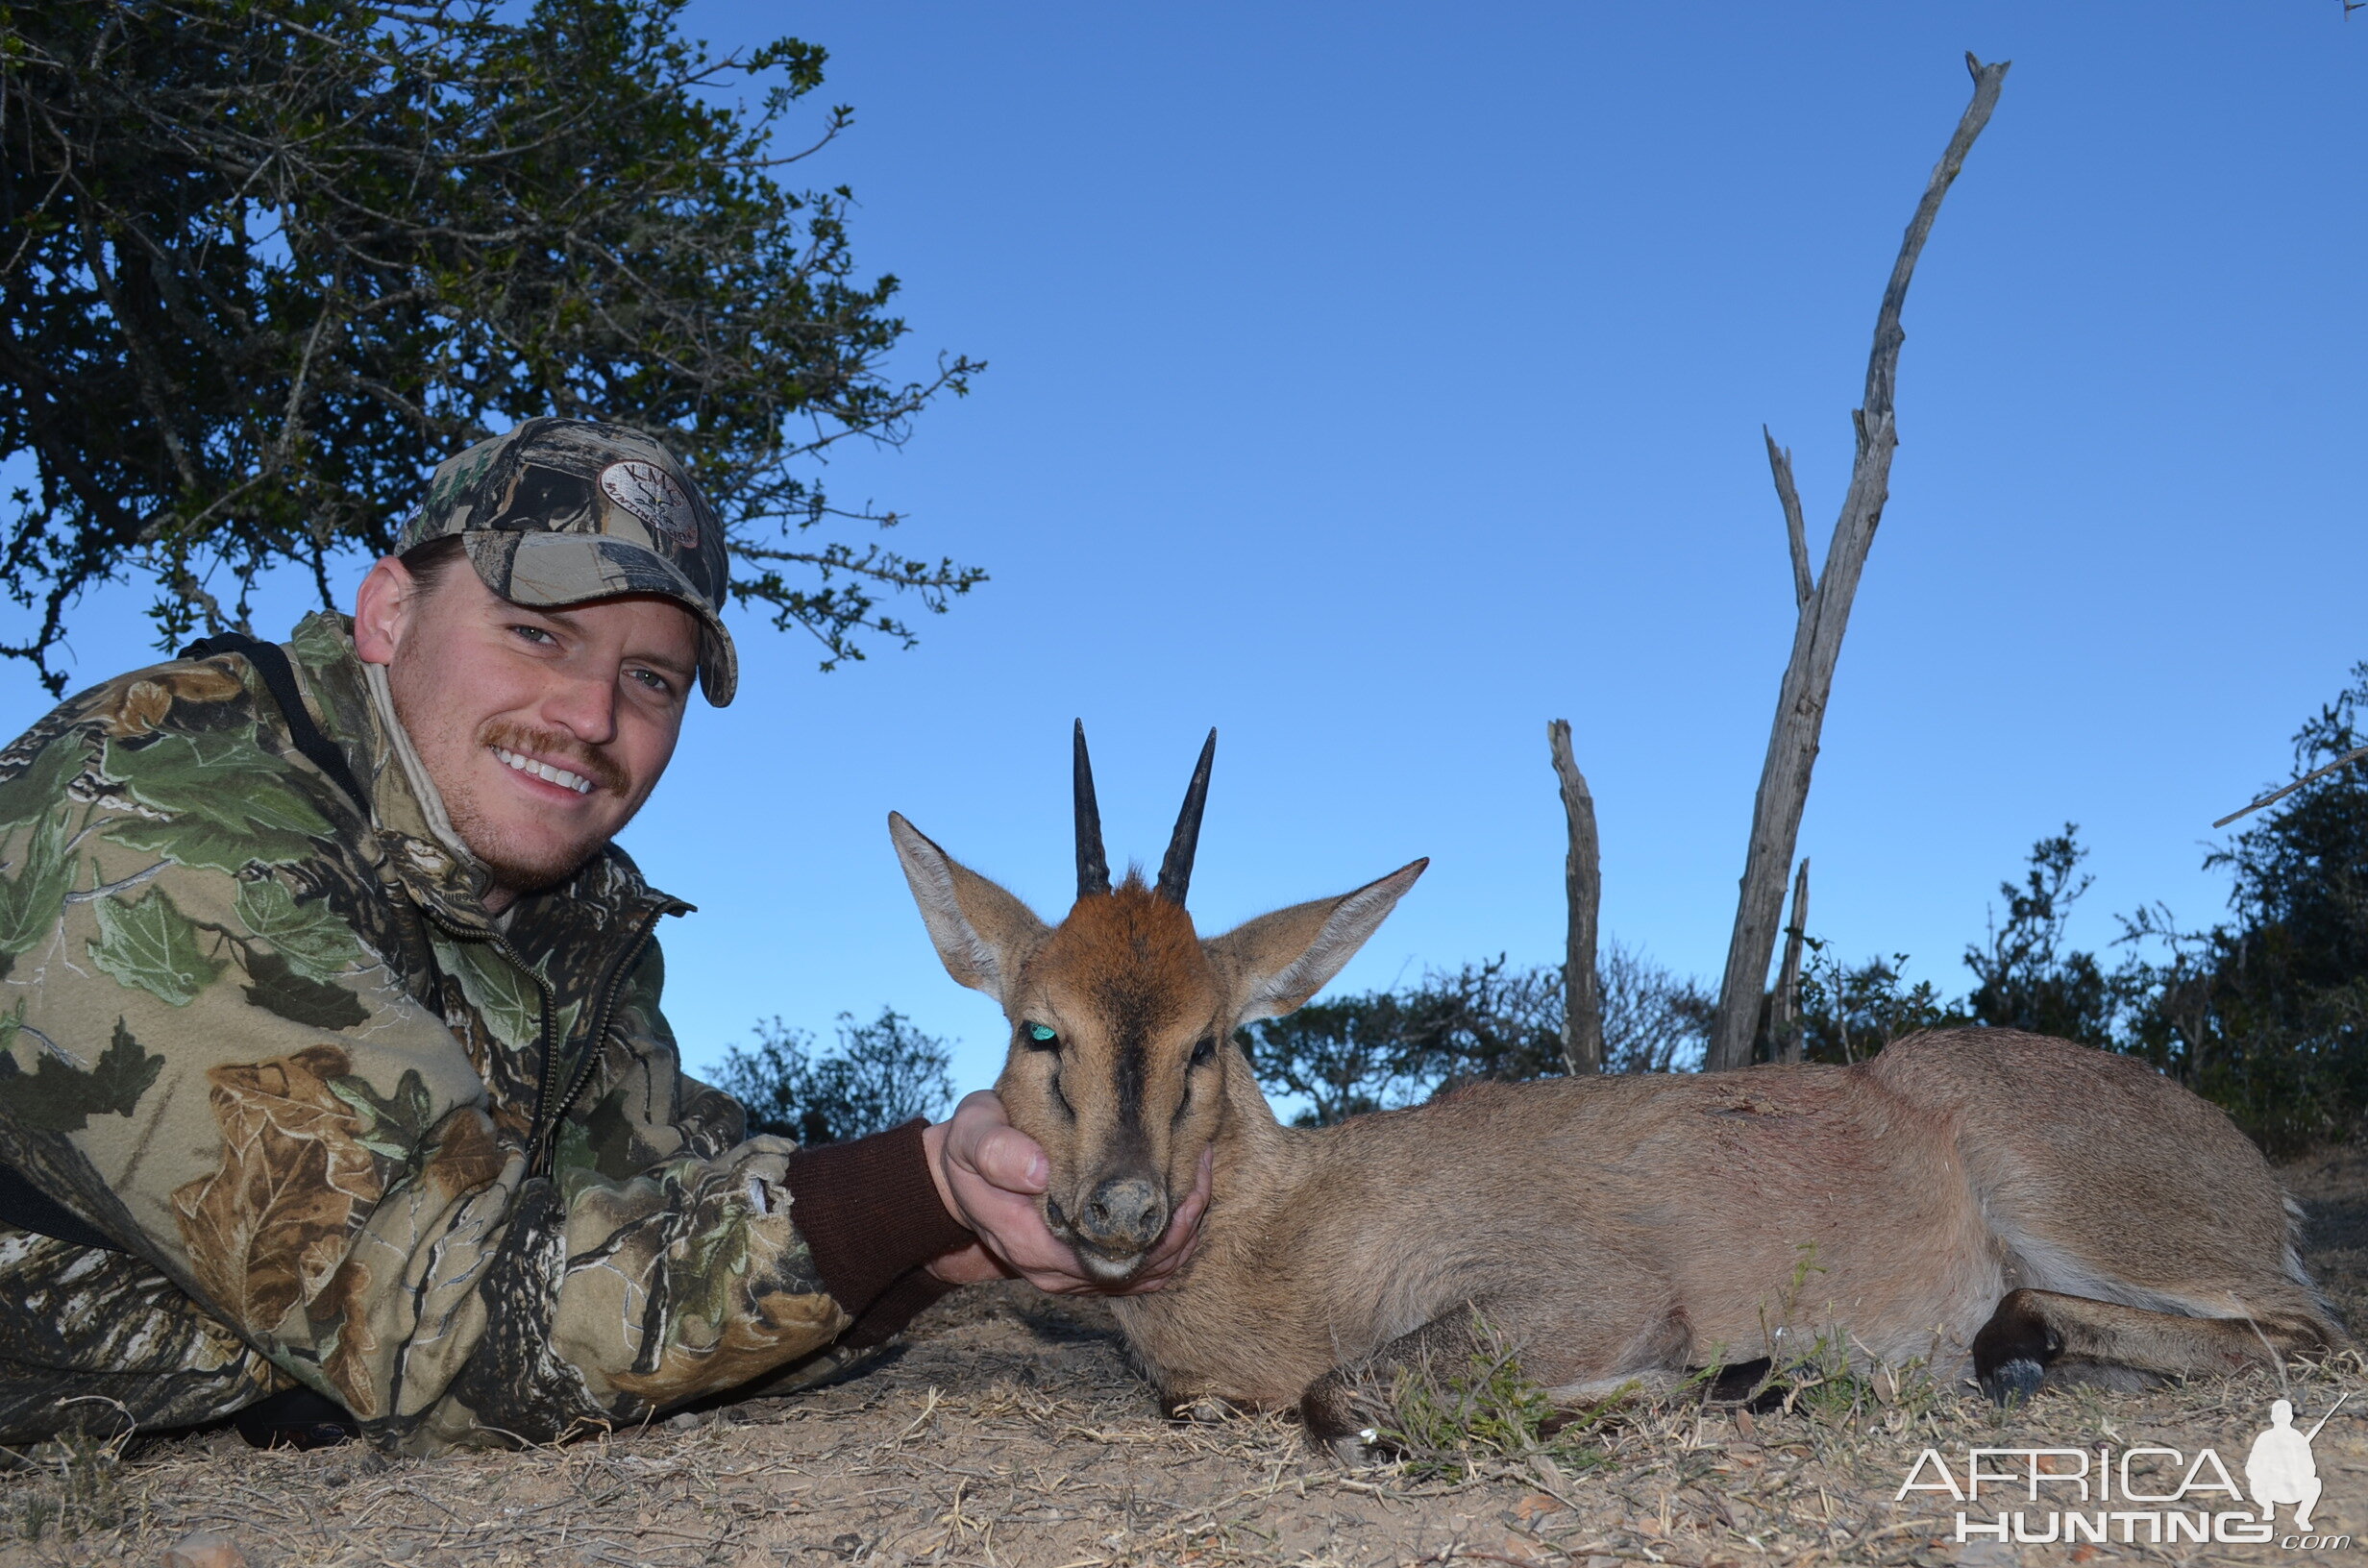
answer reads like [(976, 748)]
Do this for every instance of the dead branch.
[(1784, 1014), (2275, 796), (1816, 642), (1796, 531), (1583, 885)]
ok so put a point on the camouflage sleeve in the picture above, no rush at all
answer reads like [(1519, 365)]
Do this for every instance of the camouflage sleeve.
[(866, 1214), (200, 1057)]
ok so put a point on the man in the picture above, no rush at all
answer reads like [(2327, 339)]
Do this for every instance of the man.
[(333, 1080)]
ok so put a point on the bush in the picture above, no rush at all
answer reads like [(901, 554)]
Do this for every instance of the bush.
[(1850, 1012), (2267, 1013), (882, 1073), (1486, 1021), (2026, 979), (2264, 1013)]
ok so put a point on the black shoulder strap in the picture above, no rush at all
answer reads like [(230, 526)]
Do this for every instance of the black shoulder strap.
[(271, 662), (28, 1208)]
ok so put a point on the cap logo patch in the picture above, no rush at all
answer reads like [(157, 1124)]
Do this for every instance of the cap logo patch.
[(655, 496)]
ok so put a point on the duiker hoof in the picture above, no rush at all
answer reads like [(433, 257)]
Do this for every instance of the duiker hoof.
[(2012, 1382), (2011, 1353)]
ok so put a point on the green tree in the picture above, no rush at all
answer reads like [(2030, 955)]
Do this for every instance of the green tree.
[(2027, 978), (1849, 1012), (1487, 1021), (2267, 1013), (883, 1073), (268, 261)]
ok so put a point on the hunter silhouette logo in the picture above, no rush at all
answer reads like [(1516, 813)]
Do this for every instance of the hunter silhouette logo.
[(2139, 1495), (2279, 1468)]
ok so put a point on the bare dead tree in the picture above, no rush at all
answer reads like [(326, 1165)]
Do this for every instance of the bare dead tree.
[(1583, 885), (1824, 615), (1783, 1013)]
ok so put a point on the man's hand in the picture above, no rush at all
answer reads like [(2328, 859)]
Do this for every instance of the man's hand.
[(989, 1174)]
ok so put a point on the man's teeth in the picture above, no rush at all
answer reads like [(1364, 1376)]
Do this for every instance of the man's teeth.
[(543, 769)]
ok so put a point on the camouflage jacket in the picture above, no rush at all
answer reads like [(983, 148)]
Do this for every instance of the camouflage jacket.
[(351, 1131)]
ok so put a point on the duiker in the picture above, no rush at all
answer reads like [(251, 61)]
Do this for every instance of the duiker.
[(2037, 1209)]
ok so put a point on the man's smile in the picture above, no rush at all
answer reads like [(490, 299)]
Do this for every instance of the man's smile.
[(549, 771)]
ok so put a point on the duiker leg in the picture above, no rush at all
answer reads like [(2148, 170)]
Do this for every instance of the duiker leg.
[(2034, 1331), (1462, 1349)]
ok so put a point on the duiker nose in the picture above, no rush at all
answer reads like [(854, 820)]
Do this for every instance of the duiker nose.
[(1125, 1214)]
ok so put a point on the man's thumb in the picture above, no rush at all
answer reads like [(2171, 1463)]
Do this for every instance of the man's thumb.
[(1011, 1159)]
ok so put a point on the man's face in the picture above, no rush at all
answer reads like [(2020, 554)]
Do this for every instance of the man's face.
[(544, 730)]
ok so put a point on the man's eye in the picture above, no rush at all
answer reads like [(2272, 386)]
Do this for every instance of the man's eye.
[(534, 634), (656, 682)]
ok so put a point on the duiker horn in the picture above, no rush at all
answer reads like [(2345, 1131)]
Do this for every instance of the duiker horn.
[(1176, 871), (1093, 866)]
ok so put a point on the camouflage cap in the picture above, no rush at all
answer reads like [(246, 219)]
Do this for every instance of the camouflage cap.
[(559, 511)]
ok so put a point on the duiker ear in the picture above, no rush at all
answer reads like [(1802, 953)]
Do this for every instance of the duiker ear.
[(1278, 961), (983, 934)]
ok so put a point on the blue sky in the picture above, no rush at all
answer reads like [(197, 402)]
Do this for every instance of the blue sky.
[(1377, 382)]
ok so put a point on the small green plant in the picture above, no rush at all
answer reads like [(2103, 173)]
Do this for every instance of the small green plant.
[(79, 1489), (1449, 1417), (36, 1512), (1815, 1375)]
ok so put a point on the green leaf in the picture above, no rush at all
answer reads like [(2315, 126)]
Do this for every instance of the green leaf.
[(189, 840), (504, 997), (395, 1126), (43, 782), (316, 1004), (227, 800), (321, 640), (315, 941), (151, 946), (572, 1162), (55, 1097), (612, 1138), (30, 902)]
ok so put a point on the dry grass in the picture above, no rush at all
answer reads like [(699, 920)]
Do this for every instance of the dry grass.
[(1010, 1432)]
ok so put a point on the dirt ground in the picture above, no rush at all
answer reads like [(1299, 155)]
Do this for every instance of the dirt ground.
[(1009, 1431)]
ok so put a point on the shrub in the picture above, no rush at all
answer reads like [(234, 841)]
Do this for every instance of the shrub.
[(882, 1073)]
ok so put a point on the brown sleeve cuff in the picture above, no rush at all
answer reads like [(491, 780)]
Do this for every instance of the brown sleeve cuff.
[(899, 1305), (870, 1214)]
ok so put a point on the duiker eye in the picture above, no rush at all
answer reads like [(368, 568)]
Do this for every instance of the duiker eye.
[(1040, 1037), (1205, 1052)]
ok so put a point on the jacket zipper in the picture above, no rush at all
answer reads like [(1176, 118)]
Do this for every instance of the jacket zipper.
[(544, 1147), (542, 1142), (542, 1019)]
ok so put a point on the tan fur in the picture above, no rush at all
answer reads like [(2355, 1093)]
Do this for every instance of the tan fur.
[(1125, 968), (2024, 1204)]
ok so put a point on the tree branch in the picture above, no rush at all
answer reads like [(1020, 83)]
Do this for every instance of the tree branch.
[(1816, 643), (2275, 796), (1583, 885), (1796, 533), (1784, 1014)]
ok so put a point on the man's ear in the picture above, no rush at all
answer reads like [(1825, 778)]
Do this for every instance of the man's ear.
[(983, 934), (1276, 961), (383, 610)]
